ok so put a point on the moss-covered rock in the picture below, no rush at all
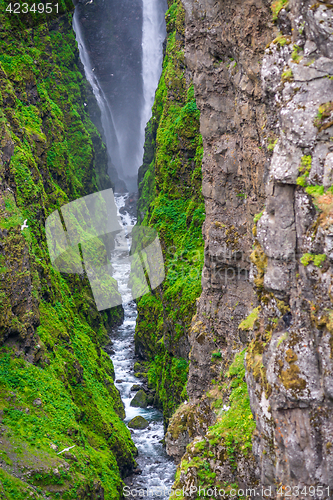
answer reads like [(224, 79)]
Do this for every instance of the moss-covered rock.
[(140, 400), (138, 423)]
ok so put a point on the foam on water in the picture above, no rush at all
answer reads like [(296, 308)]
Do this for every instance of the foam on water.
[(158, 470)]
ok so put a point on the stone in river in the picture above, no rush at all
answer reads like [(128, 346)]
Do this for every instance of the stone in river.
[(136, 387), (138, 423), (140, 400)]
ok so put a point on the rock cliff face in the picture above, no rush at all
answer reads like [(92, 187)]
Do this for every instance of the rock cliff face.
[(56, 383), (262, 78)]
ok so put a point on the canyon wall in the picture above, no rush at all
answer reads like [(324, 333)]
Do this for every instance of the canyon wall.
[(262, 78), (170, 200), (56, 381), (259, 388)]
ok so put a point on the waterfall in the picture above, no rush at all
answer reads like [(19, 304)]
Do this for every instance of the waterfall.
[(109, 129), (125, 84), (153, 35)]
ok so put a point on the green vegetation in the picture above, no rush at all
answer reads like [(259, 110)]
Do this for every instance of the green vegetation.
[(287, 75), (304, 170), (258, 216), (248, 323), (235, 426), (317, 259), (172, 203), (229, 439), (56, 383), (282, 40), (295, 55), (271, 144), (278, 5), (324, 119)]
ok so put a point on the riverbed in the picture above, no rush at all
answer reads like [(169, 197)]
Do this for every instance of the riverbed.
[(156, 471)]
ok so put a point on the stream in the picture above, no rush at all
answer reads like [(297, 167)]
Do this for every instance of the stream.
[(157, 469)]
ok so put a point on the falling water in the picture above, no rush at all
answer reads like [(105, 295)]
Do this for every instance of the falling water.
[(110, 132), (157, 470), (153, 35)]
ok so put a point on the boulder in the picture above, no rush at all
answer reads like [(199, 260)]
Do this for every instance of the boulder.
[(138, 423), (136, 387), (140, 400)]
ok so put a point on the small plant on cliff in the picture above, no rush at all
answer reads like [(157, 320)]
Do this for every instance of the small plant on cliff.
[(248, 323), (296, 57), (287, 75), (278, 5), (317, 259), (271, 144), (304, 170), (323, 119), (216, 355), (258, 216), (236, 425)]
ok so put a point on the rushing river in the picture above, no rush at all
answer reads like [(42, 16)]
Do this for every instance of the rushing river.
[(157, 470)]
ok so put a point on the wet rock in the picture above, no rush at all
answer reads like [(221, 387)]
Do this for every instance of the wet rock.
[(119, 381), (190, 420), (150, 399), (138, 423), (109, 350), (136, 387), (140, 400)]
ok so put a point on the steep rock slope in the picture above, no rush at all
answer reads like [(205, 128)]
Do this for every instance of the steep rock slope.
[(172, 203), (56, 383), (262, 79)]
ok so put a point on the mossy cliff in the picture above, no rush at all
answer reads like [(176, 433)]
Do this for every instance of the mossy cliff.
[(170, 200), (56, 382)]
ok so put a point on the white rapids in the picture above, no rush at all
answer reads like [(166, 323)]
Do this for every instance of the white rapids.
[(153, 35), (158, 470)]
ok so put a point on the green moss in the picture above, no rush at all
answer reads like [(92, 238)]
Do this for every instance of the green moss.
[(271, 144), (323, 119), (228, 441), (304, 170), (318, 259), (287, 75), (217, 355), (249, 322), (315, 191), (281, 41), (258, 216), (235, 427), (295, 55)]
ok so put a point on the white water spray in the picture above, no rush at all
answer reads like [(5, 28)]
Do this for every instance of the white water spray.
[(109, 129), (153, 35)]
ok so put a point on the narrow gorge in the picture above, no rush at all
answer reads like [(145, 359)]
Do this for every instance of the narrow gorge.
[(234, 171)]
